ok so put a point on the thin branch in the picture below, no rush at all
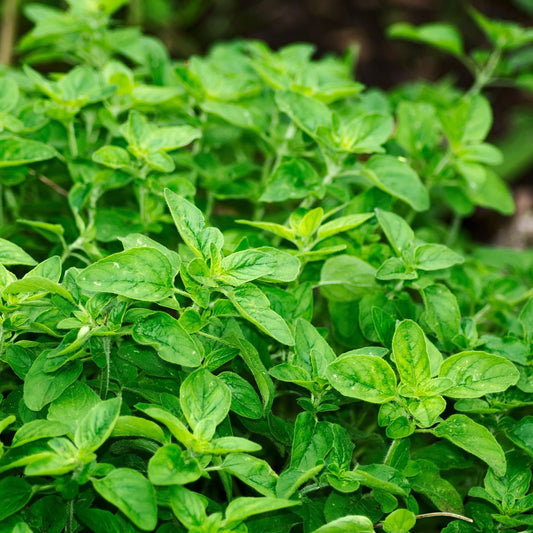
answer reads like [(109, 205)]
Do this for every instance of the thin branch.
[(8, 31), (53, 185)]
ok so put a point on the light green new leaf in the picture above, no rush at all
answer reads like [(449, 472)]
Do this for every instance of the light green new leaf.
[(38, 429), (9, 94), (97, 425), (188, 506), (309, 114), (132, 493), (435, 257), (242, 508), (37, 284), (134, 426), (15, 151), (475, 374), (204, 397), (11, 254), (365, 377), (475, 439), (167, 336), (410, 353), (174, 424), (244, 266), (112, 156), (341, 224), (138, 240), (399, 521), (345, 278), (398, 232), (347, 524), (139, 273), (170, 465), (286, 266), (397, 178), (253, 305), (171, 138), (442, 36)]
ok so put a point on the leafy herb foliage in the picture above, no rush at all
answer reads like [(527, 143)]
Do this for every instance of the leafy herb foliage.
[(232, 299)]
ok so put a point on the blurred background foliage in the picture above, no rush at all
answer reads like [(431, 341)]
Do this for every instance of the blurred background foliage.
[(188, 27)]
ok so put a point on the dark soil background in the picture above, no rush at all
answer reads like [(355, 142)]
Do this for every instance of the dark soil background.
[(191, 26)]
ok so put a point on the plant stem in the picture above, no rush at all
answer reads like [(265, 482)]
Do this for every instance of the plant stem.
[(8, 31), (104, 386), (72, 143), (69, 526)]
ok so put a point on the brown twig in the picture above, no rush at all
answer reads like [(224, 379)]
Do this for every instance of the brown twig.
[(53, 185), (8, 31), (433, 515)]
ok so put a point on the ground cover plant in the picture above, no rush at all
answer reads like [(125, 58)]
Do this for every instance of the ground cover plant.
[(236, 294)]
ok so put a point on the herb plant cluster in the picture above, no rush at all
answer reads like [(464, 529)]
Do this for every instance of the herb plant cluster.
[(236, 296)]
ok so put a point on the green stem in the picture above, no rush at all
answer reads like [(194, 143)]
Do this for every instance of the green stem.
[(1, 205), (69, 526), (484, 76), (72, 143), (104, 386)]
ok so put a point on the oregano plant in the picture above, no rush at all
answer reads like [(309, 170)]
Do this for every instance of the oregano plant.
[(236, 294)]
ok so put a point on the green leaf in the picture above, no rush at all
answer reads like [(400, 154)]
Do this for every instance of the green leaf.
[(139, 273), (341, 224), (475, 374), (255, 472), (133, 426), (9, 94), (11, 254), (345, 278), (366, 133), (171, 342), (112, 156), (190, 223), (204, 397), (442, 312), (15, 493), (437, 489), (276, 229), (308, 113), (293, 178), (242, 508), (244, 266), (188, 506), (410, 353), (398, 232), (38, 284), (170, 465), (38, 429), (435, 257), (97, 425), (171, 138), (15, 151), (397, 178), (41, 388), (399, 521), (253, 305), (244, 400), (475, 439), (347, 524), (365, 377), (174, 424), (442, 36), (286, 266), (131, 493), (137, 240), (521, 433)]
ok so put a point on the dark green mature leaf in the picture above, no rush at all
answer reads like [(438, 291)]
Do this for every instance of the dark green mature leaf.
[(15, 493), (475, 374), (475, 439), (521, 433), (139, 273), (132, 493), (366, 377), (171, 341), (188, 506), (244, 400), (15, 151), (255, 472), (41, 388)]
